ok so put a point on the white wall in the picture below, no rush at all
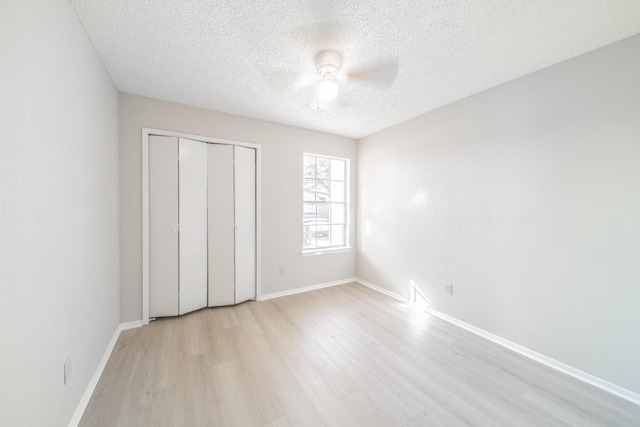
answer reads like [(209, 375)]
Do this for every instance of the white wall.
[(59, 291), (527, 199), (282, 148)]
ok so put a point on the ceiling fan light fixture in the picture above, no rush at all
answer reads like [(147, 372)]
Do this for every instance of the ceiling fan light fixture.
[(327, 89), (328, 64)]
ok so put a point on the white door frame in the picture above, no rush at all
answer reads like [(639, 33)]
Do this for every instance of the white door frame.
[(145, 207)]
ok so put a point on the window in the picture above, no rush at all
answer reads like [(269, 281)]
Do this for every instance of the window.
[(324, 216)]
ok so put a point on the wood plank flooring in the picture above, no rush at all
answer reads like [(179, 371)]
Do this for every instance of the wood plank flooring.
[(340, 356)]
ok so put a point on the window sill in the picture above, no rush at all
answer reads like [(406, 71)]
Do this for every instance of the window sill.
[(314, 252)]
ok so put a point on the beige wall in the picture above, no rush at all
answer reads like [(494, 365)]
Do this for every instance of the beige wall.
[(59, 291), (282, 148), (527, 199)]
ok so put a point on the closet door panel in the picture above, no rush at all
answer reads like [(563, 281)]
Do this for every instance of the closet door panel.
[(245, 218), (221, 225), (163, 226), (193, 224)]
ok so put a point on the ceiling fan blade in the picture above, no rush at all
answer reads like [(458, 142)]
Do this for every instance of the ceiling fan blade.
[(304, 80), (342, 101), (316, 36), (381, 74), (324, 30), (281, 80)]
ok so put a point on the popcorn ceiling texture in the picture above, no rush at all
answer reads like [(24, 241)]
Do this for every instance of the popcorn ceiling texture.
[(256, 58)]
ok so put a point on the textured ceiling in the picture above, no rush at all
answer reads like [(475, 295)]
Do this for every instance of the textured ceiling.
[(256, 58)]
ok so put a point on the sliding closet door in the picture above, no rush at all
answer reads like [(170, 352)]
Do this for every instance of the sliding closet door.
[(245, 219), (193, 224), (163, 226), (221, 226)]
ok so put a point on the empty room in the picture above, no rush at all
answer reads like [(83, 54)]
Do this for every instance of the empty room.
[(309, 213)]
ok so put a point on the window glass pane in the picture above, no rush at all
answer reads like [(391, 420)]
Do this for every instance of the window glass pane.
[(309, 166), (324, 213), (323, 167), (309, 210), (337, 170), (323, 191), (337, 235), (309, 190), (322, 236), (337, 191), (337, 214), (308, 237)]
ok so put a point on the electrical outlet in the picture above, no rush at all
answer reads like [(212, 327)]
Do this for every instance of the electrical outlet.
[(67, 371), (448, 289)]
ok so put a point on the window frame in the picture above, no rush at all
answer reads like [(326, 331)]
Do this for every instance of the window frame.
[(345, 247)]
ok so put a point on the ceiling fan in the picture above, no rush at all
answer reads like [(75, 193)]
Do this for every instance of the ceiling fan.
[(340, 69), (331, 75)]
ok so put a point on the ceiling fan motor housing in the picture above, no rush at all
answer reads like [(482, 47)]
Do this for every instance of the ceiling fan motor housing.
[(328, 64)]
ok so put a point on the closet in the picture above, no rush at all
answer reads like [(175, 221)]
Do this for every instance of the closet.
[(202, 225)]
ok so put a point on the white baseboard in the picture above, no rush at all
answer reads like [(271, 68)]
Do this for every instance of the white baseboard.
[(129, 325), (533, 355), (524, 351), (84, 401), (382, 290), (82, 405), (265, 297)]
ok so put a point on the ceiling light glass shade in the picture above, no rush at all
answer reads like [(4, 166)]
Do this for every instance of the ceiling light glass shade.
[(327, 89)]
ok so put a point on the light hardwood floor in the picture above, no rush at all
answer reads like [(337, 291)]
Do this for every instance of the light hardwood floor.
[(340, 356)]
